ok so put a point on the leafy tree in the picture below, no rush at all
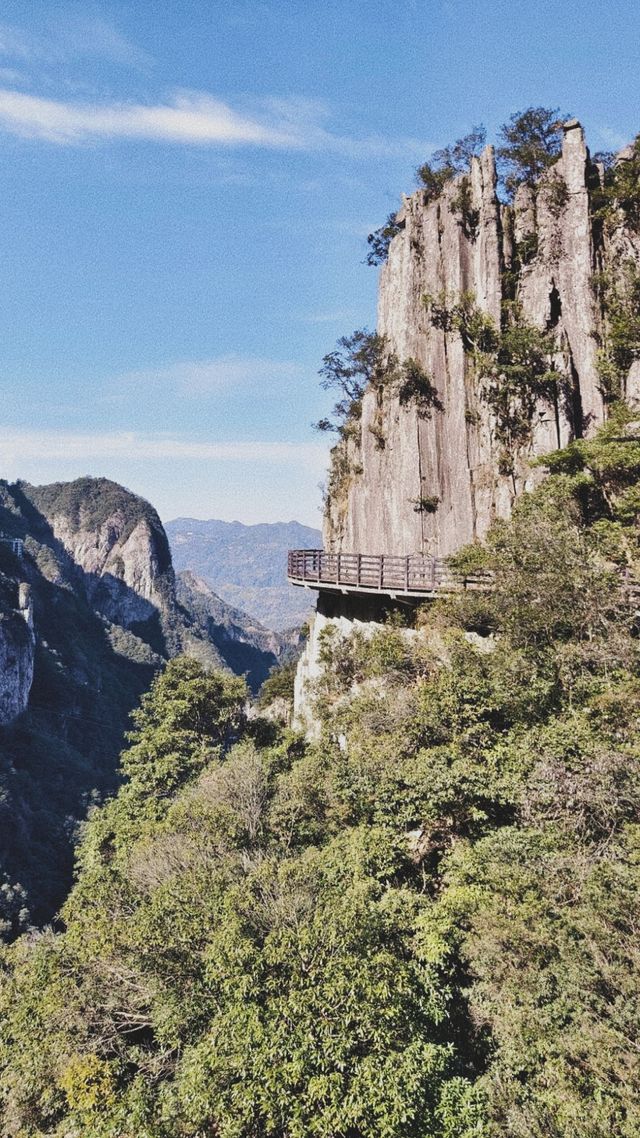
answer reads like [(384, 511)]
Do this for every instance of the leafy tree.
[(531, 141), (360, 360), (380, 240), (450, 161)]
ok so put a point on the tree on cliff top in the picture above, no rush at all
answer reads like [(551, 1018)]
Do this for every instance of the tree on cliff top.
[(531, 142), (451, 160)]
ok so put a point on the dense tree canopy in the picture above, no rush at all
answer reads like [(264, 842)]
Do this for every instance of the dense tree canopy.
[(424, 923)]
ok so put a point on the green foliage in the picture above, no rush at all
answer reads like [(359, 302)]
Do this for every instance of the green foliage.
[(513, 365), (617, 199), (461, 314), (603, 474), (531, 141), (449, 162), (520, 378), (618, 291), (421, 924), (359, 361), (427, 504), (462, 205), (278, 684), (417, 388), (380, 240)]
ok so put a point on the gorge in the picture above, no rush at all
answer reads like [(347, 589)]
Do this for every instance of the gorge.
[(415, 913)]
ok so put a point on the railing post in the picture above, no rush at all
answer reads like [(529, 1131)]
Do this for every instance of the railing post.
[(433, 574), (359, 569), (381, 572), (406, 574), (338, 572)]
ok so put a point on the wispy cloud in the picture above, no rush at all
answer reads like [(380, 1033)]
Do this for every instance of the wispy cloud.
[(191, 119), (15, 44), (202, 377), (73, 35), (89, 34), (21, 445), (194, 118)]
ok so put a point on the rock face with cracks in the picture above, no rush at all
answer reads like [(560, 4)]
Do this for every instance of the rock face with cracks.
[(17, 643), (545, 253), (403, 481)]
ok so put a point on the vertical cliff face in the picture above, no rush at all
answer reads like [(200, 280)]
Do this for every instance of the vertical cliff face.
[(17, 650), (413, 483), (117, 541)]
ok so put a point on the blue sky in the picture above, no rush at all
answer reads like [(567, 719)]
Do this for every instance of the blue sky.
[(186, 190)]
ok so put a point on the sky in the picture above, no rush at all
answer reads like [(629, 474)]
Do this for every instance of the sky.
[(186, 190)]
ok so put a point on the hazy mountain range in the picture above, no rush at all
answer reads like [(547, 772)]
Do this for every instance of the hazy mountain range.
[(247, 565)]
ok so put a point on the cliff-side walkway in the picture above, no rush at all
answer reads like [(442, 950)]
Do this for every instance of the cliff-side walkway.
[(415, 575)]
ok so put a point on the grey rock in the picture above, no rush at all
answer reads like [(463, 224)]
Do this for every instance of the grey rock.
[(454, 455), (17, 644)]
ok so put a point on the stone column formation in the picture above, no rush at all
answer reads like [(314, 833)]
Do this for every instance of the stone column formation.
[(454, 455)]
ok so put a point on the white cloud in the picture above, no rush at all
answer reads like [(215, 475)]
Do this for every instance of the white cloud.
[(194, 118), (201, 377), (19, 445)]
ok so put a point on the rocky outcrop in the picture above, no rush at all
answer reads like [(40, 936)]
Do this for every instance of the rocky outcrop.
[(309, 671), (117, 541), (405, 482), (341, 614), (17, 645)]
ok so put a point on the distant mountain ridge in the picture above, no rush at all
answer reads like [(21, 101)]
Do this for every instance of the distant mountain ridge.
[(246, 564)]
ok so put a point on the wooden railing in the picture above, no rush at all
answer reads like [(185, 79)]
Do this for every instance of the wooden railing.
[(379, 572)]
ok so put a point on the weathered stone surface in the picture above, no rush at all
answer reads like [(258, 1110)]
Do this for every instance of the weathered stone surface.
[(454, 456), (344, 614), (122, 565), (547, 247), (17, 645)]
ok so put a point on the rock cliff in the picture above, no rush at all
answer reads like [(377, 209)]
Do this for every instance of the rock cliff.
[(472, 286), (17, 649), (408, 482), (117, 544)]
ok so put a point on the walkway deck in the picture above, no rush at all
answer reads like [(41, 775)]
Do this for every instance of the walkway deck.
[(379, 573)]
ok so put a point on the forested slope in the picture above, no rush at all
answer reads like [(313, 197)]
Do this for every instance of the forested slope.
[(424, 924)]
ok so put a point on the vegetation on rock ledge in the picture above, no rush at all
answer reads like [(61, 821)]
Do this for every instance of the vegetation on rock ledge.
[(423, 924)]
